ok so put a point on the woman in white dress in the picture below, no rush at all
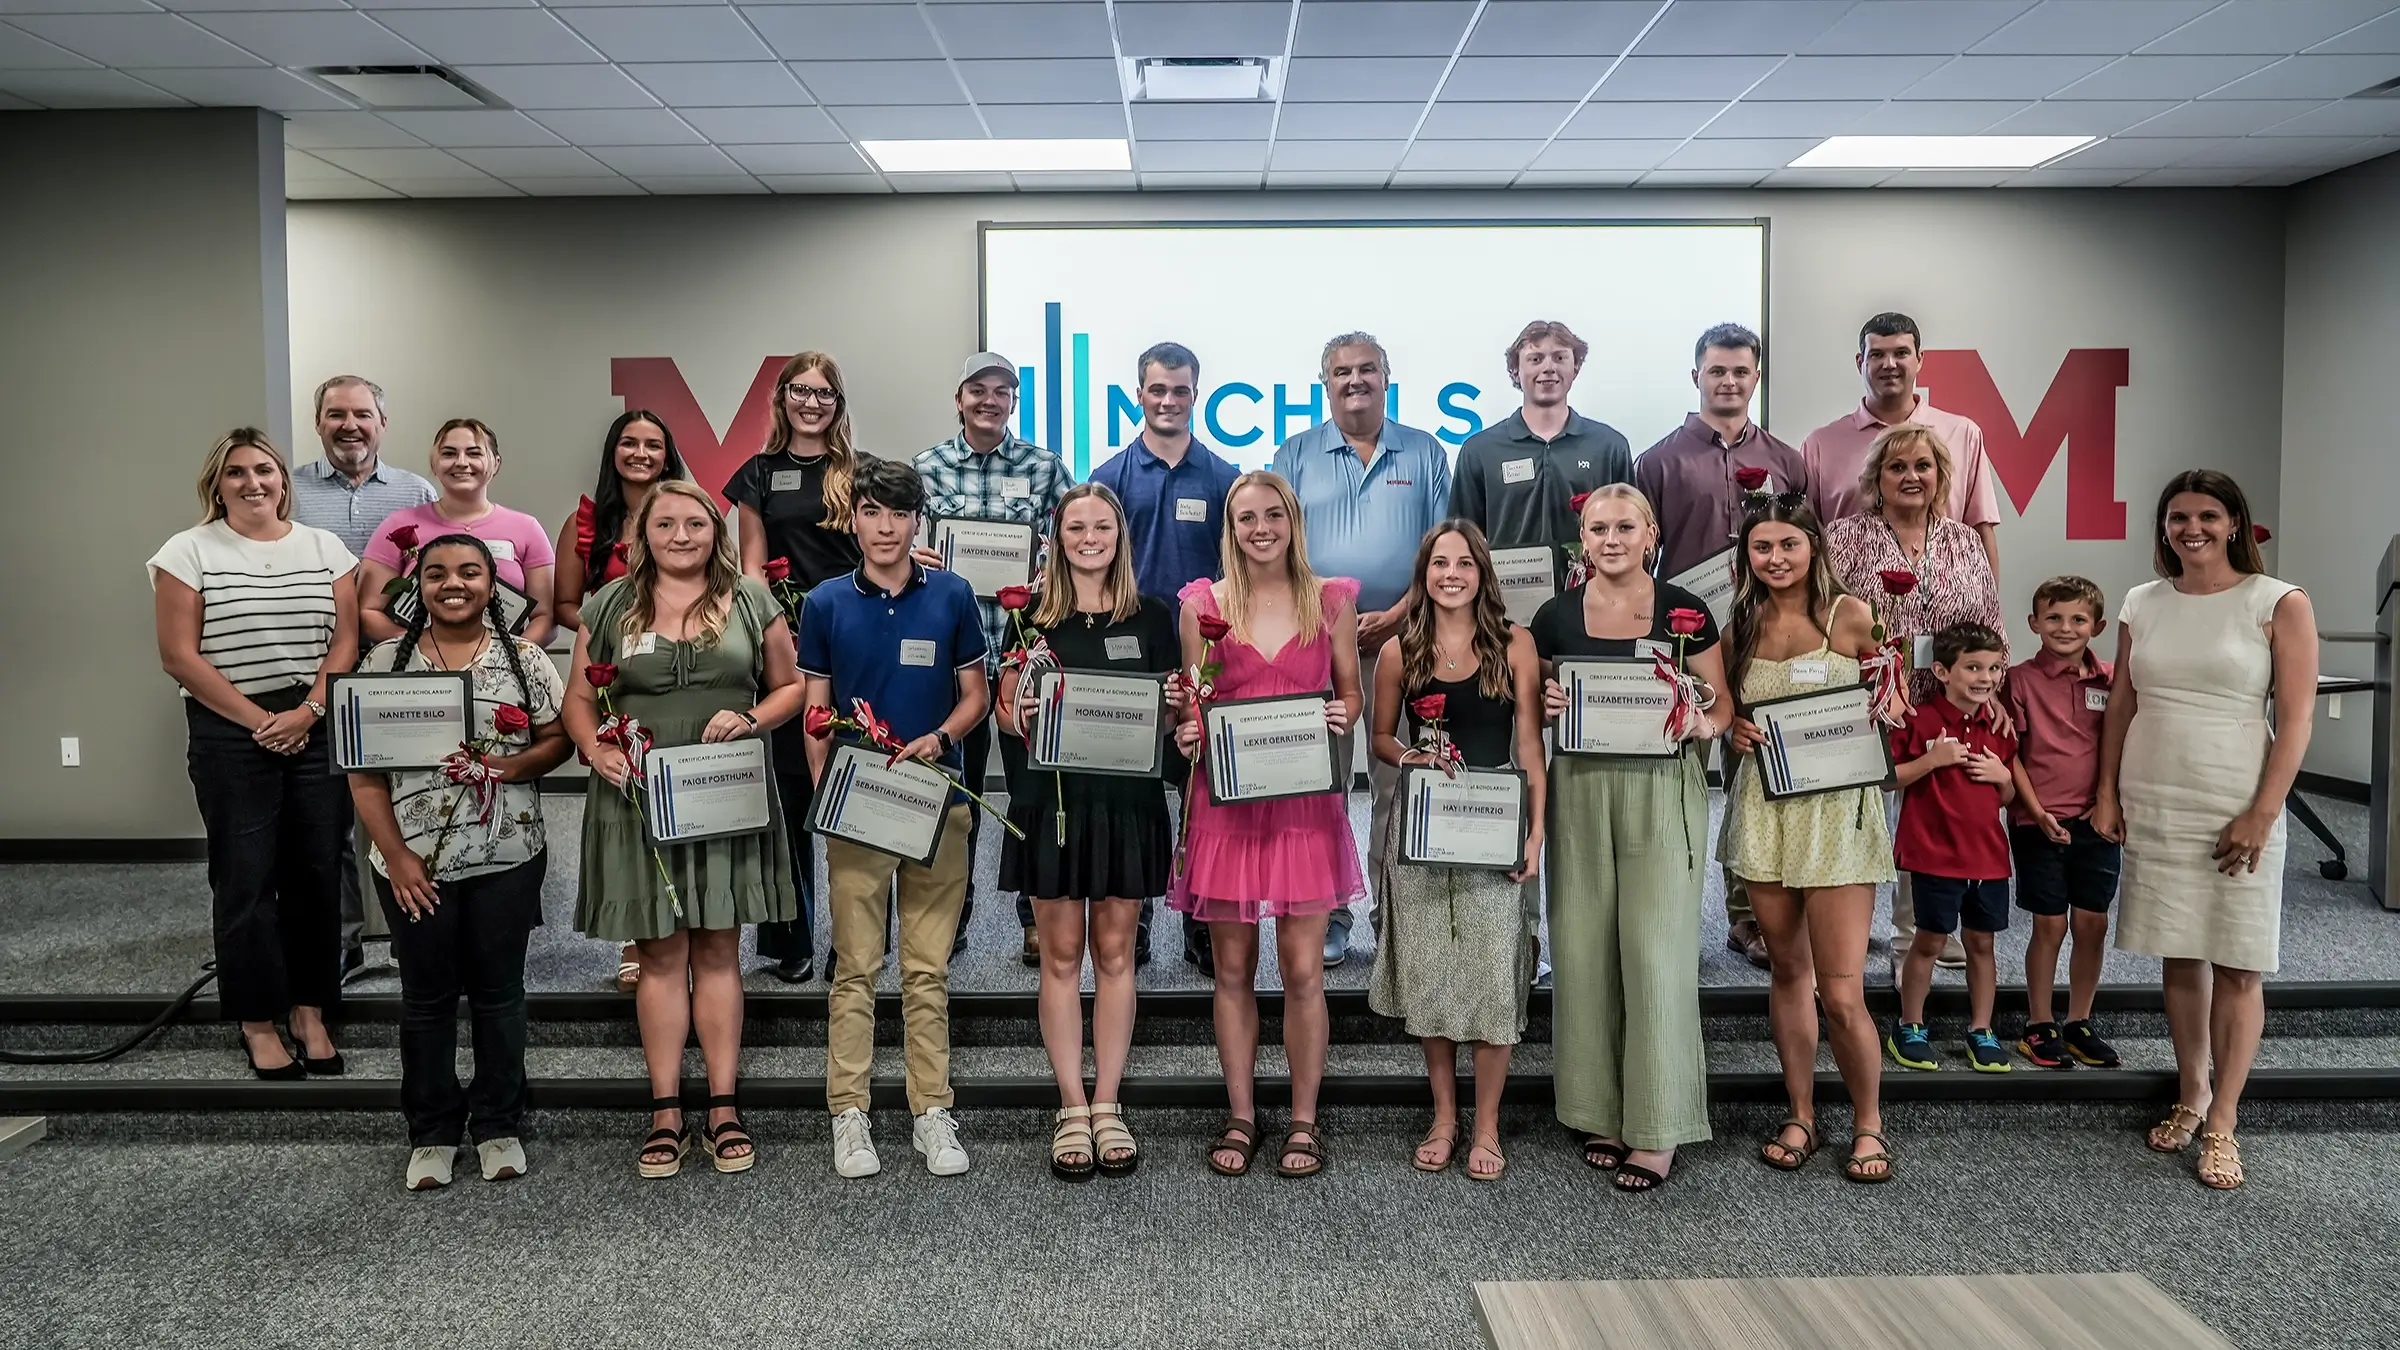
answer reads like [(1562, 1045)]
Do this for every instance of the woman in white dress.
[(2193, 776)]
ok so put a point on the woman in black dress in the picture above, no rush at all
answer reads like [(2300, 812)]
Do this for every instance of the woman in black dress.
[(1090, 839)]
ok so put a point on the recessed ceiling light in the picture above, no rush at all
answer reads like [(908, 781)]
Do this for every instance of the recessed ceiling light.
[(1164, 79), (1938, 152), (998, 156)]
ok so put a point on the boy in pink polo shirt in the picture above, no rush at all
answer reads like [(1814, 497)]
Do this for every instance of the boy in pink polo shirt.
[(2058, 700)]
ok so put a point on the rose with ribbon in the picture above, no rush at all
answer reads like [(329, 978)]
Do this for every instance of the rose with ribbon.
[(471, 769), (1689, 700), (1213, 630), (1751, 479), (1031, 657), (402, 582), (1579, 567), (820, 722), (627, 735), (1888, 667), (1437, 742), (779, 580)]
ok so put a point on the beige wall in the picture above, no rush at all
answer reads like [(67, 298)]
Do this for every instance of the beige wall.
[(146, 315)]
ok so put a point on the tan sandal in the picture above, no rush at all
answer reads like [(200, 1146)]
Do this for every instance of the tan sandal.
[(1073, 1138), (2220, 1166), (629, 971), (1774, 1152), (1493, 1149), (2173, 1135), (1448, 1138), (1111, 1136)]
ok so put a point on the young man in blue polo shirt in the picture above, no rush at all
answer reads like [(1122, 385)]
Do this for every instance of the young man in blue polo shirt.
[(909, 641)]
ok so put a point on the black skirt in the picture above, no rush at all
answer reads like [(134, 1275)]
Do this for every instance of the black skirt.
[(1119, 841)]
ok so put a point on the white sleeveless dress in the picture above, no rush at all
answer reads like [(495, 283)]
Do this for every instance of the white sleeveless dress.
[(2202, 672)]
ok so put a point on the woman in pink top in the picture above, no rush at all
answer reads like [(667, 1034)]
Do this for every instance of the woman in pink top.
[(1906, 527), (1291, 859), (466, 458)]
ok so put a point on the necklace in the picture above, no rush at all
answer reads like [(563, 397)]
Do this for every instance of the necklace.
[(442, 662)]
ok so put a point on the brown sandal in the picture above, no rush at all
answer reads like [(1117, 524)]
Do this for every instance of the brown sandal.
[(1791, 1159), (2220, 1166), (1854, 1167), (1239, 1136), (1302, 1139), (2172, 1135), (1437, 1135)]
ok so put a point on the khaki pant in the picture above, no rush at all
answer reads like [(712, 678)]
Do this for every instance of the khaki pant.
[(859, 882)]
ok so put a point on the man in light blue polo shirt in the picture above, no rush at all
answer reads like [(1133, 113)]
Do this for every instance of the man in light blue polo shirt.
[(1369, 489)]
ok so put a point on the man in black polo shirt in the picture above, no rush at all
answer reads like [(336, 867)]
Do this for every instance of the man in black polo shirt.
[(1514, 478)]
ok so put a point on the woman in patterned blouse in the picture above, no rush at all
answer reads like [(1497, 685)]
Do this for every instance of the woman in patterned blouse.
[(1906, 488)]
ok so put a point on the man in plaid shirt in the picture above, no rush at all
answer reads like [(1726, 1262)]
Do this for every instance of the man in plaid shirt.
[(986, 473)]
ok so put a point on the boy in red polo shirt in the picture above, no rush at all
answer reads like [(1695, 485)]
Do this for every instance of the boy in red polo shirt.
[(1954, 769), (2058, 700)]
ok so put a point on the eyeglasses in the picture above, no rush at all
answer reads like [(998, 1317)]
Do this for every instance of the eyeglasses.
[(802, 393)]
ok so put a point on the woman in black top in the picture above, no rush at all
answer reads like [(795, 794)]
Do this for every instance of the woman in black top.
[(1090, 839), (793, 502)]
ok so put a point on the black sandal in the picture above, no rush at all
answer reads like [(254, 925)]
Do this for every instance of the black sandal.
[(1643, 1178), (729, 1133), (1302, 1139), (1794, 1158), (1238, 1136), (1599, 1153), (663, 1139)]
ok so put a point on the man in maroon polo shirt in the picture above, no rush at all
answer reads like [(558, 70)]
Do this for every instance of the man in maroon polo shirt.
[(1890, 353)]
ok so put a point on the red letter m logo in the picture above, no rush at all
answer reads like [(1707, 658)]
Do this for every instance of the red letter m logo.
[(653, 382), (2078, 411)]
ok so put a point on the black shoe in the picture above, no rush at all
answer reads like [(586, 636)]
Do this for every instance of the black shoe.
[(2085, 1044), (1203, 956), (1031, 954), (328, 1067), (793, 970), (284, 1073), (957, 944), (1337, 945), (354, 964), (1141, 949)]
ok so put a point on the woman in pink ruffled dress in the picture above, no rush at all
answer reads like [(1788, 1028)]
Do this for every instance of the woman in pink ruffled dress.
[(1292, 859)]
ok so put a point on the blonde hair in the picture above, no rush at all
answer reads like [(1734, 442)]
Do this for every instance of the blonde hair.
[(641, 570), (1058, 583), (490, 438), (1905, 436), (1622, 492), (212, 499), (1307, 601), (841, 457)]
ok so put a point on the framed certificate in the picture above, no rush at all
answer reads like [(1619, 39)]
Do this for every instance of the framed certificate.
[(989, 554), (1712, 579), (896, 809), (703, 791), (1527, 577), (1262, 749), (1615, 707), (400, 720), (1826, 741), (1477, 819), (1101, 722), (515, 606)]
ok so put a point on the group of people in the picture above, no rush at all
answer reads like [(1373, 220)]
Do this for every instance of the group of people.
[(1359, 567)]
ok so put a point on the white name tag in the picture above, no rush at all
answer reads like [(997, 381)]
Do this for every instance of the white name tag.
[(1923, 660), (1016, 487), (786, 480), (1651, 648), (916, 651), (502, 550), (1810, 672), (643, 645), (2095, 700), (1191, 508), (1516, 471), (1124, 648)]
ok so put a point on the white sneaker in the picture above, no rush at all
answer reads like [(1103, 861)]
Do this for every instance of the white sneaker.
[(854, 1146), (936, 1136), (501, 1158), (429, 1168)]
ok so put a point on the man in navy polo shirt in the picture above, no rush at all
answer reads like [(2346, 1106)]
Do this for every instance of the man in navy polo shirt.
[(1173, 490), (909, 640)]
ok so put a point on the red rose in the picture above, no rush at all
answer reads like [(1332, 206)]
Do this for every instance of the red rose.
[(1213, 628), (1898, 581), (2261, 533), (617, 550), (1575, 503), (818, 722), (779, 569), (405, 537), (1429, 707), (600, 674), (508, 719), (1014, 597), (1685, 622), (1751, 479)]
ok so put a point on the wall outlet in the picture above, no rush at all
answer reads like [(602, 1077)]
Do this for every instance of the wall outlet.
[(2333, 707), (70, 752)]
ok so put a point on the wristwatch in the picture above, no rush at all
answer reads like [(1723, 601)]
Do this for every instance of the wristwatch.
[(947, 743), (748, 718), (315, 707)]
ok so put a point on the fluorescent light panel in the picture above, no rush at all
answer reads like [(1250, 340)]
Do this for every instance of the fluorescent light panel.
[(1938, 152), (999, 156)]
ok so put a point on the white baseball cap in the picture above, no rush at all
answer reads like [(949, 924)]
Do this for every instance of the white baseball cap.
[(987, 361)]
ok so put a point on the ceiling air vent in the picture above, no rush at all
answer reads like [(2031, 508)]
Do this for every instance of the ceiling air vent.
[(1214, 79), (389, 88)]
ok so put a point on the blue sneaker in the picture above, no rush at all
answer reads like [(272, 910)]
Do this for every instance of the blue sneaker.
[(1911, 1047), (1985, 1052)]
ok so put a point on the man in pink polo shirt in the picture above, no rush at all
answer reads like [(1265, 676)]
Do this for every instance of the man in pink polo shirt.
[(1890, 351)]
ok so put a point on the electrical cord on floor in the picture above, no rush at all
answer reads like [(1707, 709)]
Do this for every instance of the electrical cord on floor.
[(183, 1001)]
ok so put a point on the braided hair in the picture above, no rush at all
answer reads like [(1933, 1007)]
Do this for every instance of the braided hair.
[(492, 615)]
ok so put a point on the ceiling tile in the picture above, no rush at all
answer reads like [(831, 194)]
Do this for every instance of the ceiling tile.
[(985, 32), (481, 127), (2079, 119), (336, 38), (607, 185), (1942, 117), (1081, 182), (669, 33), (127, 40), (620, 126), (414, 4), (1740, 27), (1493, 155), (2162, 77), (85, 89), (1381, 27), (2379, 37), (1216, 121), (941, 121), (699, 185), (2268, 26), (418, 165), (178, 6), (845, 32), (1523, 78), (2222, 117), (24, 51), (1343, 156), (1453, 178), (1640, 121), (1036, 81), (1535, 178), (2107, 27), (544, 161), (481, 185), (11, 103), (2071, 177), (300, 166), (2173, 178), (1326, 178), (1817, 179), (1701, 178), (2136, 153), (562, 86), (1753, 118), (1363, 79), (1763, 155), (880, 81), (799, 159), (499, 37), (1605, 155), (1492, 121), (1342, 121), (2355, 117), (343, 130), (1974, 77), (274, 90), (1845, 77), (1190, 181), (953, 182), (721, 84), (1202, 157), (2268, 151), (640, 162), (355, 189), (763, 126), (1951, 179), (1914, 27), (1181, 28), (2313, 77), (824, 182), (1667, 79), (1547, 28)]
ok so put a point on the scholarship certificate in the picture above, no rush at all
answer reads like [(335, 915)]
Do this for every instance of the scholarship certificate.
[(410, 720), (1711, 579), (1821, 742), (895, 809), (989, 554), (1260, 749), (1101, 722), (1615, 707), (1476, 819), (702, 791), (1527, 577)]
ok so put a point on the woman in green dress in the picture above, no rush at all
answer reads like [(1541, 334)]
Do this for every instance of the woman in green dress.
[(691, 650)]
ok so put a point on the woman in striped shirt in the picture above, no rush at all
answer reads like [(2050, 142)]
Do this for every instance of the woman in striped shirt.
[(256, 613)]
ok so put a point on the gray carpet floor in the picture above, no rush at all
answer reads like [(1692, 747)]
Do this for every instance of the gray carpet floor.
[(143, 928), (201, 1232)]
